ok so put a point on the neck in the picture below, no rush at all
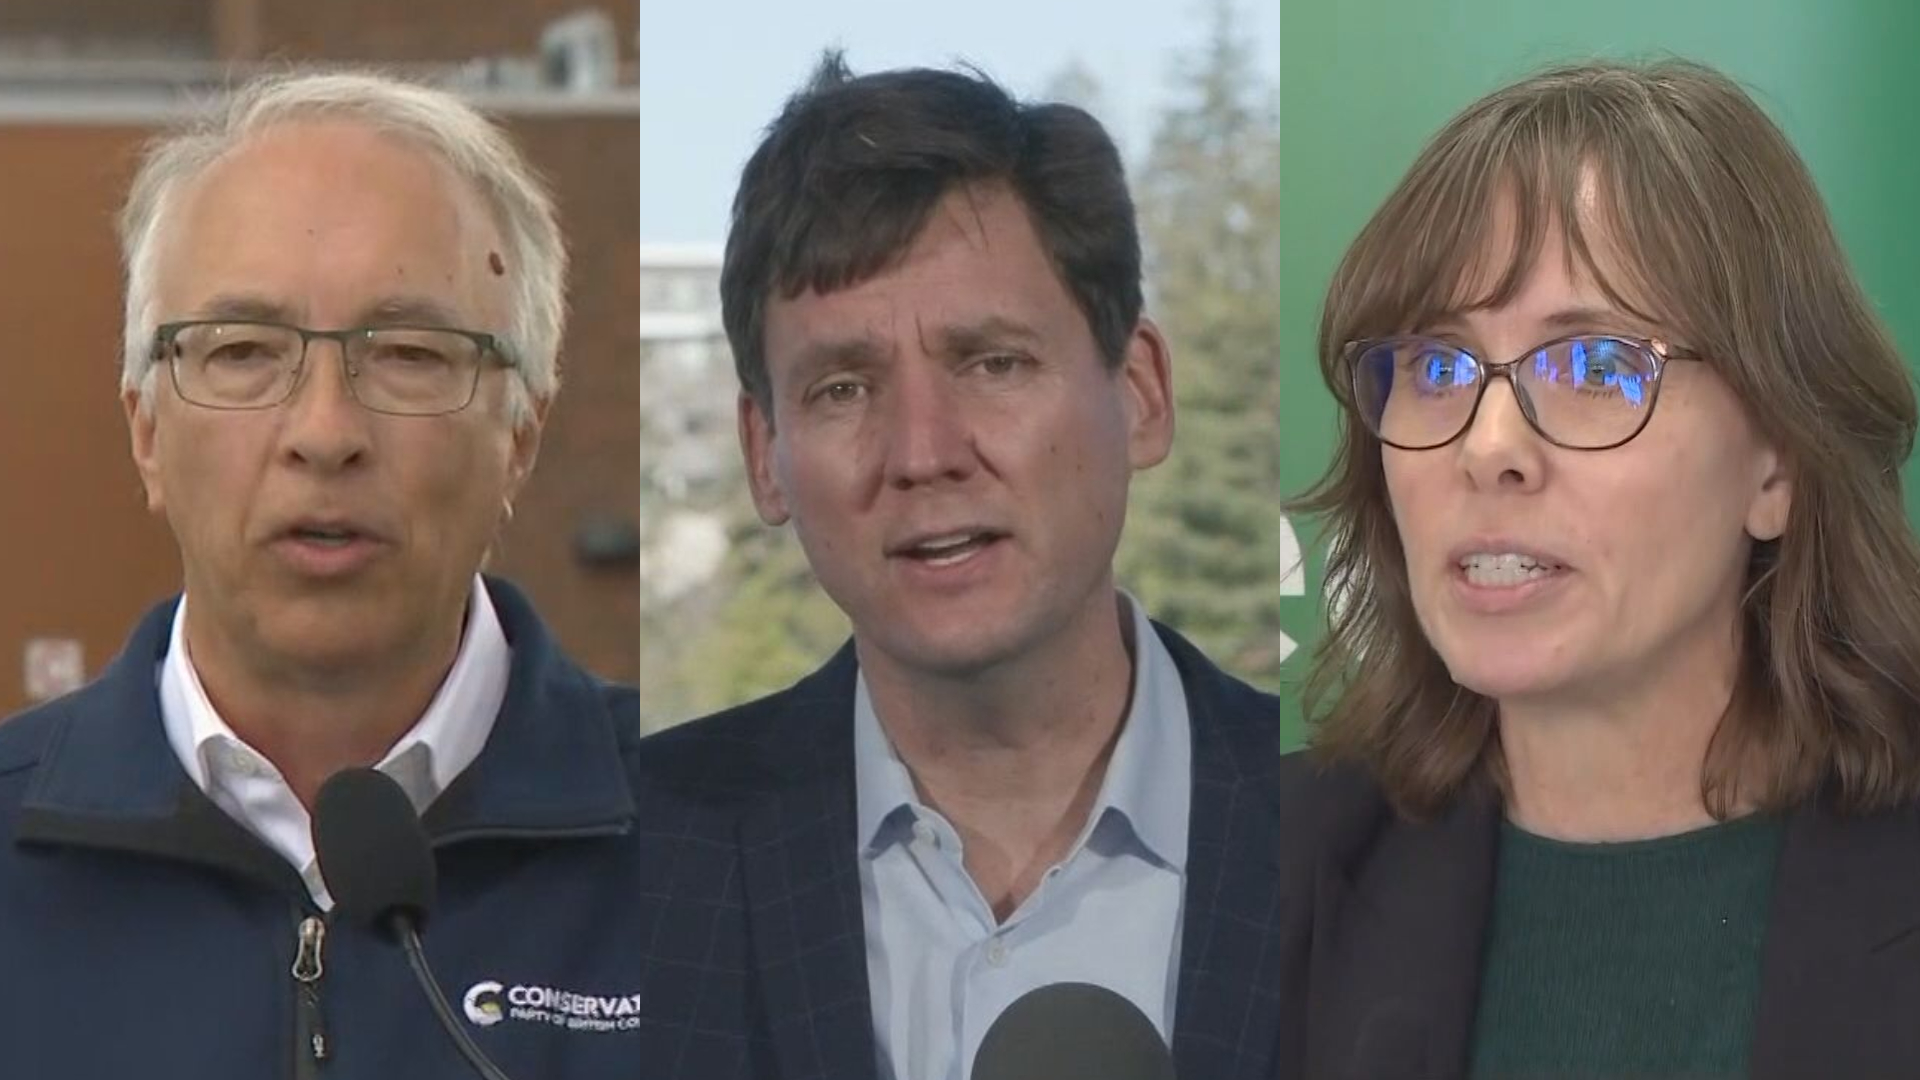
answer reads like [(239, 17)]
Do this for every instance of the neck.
[(1622, 767), (313, 724), (1014, 757)]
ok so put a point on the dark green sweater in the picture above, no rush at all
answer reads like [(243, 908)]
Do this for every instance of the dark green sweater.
[(1625, 960)]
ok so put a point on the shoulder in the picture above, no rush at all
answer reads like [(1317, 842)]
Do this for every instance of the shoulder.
[(746, 724), (1227, 696), (751, 746), (752, 724), (24, 739), (124, 689), (719, 753), (1312, 783), (1330, 809)]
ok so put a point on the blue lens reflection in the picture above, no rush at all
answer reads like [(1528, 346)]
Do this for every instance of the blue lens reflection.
[(1597, 364)]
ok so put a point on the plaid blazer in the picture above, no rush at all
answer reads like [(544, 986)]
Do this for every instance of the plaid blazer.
[(802, 888)]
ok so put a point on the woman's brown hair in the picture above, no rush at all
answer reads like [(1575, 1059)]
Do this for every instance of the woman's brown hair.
[(1717, 228)]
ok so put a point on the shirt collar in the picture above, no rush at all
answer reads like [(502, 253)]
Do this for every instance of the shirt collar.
[(1149, 781), (439, 747), (883, 788)]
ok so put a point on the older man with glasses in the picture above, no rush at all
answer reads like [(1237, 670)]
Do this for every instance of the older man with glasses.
[(344, 305)]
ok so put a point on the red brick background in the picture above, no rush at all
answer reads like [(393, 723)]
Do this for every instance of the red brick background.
[(78, 555)]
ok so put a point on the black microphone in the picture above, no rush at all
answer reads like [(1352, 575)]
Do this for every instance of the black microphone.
[(379, 867), (1072, 1029)]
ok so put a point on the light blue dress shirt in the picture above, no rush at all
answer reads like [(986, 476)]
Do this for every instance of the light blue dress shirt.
[(940, 967)]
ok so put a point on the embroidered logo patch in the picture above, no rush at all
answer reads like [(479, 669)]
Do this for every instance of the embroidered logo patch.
[(483, 1003), (489, 1002)]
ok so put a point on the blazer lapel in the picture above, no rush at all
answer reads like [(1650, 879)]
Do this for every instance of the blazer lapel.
[(1227, 1008), (1840, 976), (1396, 948), (1392, 976), (803, 885)]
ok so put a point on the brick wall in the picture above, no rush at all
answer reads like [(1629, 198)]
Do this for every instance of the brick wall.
[(381, 30), (590, 459), (79, 556), (365, 30), (180, 22)]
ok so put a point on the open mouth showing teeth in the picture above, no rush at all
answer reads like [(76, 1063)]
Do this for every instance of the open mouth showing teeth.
[(1506, 569), (948, 550)]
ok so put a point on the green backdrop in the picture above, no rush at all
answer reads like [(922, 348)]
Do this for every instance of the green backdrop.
[(1364, 82)]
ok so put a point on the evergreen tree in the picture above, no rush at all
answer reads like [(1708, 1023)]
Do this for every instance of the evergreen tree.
[(1202, 548)]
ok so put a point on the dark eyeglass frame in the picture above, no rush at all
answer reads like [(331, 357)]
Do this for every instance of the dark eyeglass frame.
[(1655, 351), (166, 339)]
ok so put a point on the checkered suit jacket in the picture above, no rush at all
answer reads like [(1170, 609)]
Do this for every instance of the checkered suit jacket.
[(802, 887)]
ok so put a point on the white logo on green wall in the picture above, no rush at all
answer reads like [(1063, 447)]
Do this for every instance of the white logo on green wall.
[(1293, 576)]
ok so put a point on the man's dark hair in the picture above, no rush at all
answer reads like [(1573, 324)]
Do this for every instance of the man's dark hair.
[(850, 171)]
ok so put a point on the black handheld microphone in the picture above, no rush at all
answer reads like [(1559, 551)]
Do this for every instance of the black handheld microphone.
[(379, 867), (1072, 1029)]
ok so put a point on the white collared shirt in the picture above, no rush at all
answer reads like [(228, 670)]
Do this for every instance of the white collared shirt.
[(941, 968), (423, 762)]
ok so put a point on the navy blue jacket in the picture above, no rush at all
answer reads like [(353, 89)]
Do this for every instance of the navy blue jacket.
[(802, 885), (143, 933)]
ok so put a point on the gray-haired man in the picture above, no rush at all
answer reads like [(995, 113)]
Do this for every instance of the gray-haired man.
[(345, 299)]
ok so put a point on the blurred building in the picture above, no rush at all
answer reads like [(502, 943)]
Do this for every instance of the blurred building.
[(83, 83), (337, 30), (689, 461)]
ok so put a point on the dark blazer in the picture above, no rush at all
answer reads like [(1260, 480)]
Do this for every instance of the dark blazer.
[(1384, 922), (802, 885)]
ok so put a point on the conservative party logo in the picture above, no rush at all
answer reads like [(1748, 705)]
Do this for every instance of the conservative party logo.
[(489, 1002), (483, 1003)]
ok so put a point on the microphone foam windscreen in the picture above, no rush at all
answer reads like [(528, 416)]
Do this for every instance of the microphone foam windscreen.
[(1072, 1030), (373, 851)]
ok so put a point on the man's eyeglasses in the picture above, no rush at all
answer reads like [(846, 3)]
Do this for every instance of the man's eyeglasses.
[(400, 370), (1588, 392)]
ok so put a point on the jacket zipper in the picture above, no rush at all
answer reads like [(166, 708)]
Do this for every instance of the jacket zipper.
[(313, 1043), (315, 1047)]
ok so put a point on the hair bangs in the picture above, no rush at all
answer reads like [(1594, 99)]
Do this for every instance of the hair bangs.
[(1467, 235)]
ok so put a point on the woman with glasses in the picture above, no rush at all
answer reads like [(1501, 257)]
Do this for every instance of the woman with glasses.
[(1616, 735)]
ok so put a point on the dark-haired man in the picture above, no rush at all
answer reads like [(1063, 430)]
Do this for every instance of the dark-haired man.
[(1010, 777)]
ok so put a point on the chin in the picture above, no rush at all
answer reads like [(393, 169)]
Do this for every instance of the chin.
[(330, 635), (330, 649), (970, 636), (953, 651), (948, 659), (1504, 674)]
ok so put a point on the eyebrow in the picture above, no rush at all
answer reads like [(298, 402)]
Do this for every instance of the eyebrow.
[(386, 311), (992, 332), (1588, 318), (245, 307), (817, 358), (398, 310), (865, 353), (1579, 317)]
